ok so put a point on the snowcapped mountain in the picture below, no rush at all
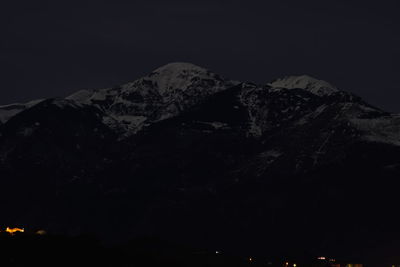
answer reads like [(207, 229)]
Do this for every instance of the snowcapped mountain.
[(176, 87), (164, 93), (167, 150), (294, 107)]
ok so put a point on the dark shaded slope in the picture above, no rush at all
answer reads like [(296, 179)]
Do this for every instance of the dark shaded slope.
[(203, 177)]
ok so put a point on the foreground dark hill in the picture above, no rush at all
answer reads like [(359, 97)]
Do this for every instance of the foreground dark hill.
[(293, 166)]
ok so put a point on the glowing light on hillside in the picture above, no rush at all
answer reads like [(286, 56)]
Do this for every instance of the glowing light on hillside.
[(322, 258), (41, 232), (12, 231)]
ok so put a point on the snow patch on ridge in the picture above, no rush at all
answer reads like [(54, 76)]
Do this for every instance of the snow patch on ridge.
[(305, 82), (381, 130), (9, 111), (127, 124), (311, 116)]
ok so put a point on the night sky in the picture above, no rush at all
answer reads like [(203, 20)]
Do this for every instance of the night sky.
[(53, 48)]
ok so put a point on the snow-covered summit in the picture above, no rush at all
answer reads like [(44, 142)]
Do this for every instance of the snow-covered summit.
[(177, 71), (162, 94), (179, 75), (315, 86), (164, 81)]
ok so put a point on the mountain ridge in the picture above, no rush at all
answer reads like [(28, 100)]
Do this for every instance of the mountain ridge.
[(132, 106), (215, 156)]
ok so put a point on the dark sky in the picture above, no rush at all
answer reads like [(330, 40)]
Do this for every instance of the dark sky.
[(53, 48)]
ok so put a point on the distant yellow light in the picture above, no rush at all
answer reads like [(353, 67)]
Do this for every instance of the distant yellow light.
[(12, 231), (321, 258), (41, 232), (294, 265), (250, 259)]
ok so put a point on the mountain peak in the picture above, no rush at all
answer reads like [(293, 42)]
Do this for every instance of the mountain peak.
[(305, 82), (162, 94), (179, 75), (178, 67)]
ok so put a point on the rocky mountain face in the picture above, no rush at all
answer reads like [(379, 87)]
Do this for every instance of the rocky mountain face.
[(186, 154), (163, 94)]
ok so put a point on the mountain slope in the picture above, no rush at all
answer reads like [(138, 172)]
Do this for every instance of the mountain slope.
[(9, 111), (162, 94), (187, 154), (305, 82)]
